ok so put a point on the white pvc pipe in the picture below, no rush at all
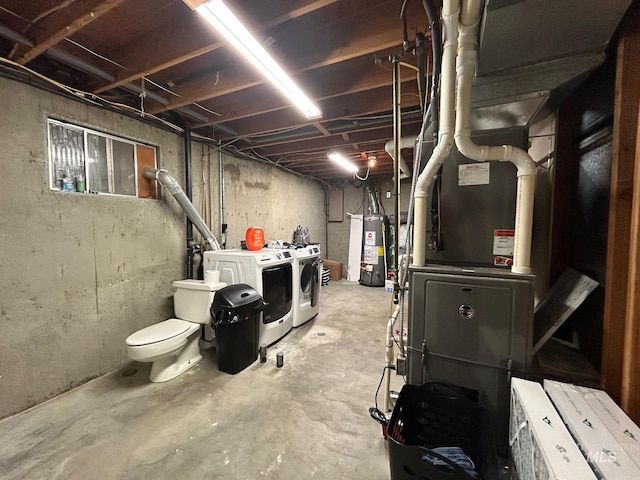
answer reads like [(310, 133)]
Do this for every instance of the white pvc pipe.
[(450, 13), (390, 357), (467, 61), (390, 353), (470, 11)]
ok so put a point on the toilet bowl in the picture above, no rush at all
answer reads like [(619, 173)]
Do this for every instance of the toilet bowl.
[(173, 345)]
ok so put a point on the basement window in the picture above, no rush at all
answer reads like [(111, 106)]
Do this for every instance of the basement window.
[(85, 161)]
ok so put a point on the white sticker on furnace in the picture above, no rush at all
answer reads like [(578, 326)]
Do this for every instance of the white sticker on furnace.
[(370, 237), (503, 242), (473, 174)]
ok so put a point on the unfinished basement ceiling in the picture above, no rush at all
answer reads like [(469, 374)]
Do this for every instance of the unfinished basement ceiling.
[(160, 57), (338, 52)]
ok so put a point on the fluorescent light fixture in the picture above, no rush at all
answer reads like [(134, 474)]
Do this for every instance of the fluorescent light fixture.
[(343, 162), (217, 13)]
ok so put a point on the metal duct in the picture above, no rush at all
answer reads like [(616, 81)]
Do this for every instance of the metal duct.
[(405, 142), (538, 47), (165, 179), (560, 28)]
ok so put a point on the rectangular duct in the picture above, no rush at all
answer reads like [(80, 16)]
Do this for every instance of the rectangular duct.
[(542, 48)]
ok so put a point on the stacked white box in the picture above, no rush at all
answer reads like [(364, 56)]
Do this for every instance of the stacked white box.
[(623, 429), (604, 453), (541, 445)]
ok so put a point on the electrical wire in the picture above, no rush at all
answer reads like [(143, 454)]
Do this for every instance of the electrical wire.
[(202, 107), (102, 57), (89, 97), (375, 412), (157, 85), (262, 159), (365, 177), (101, 102), (34, 22), (274, 132)]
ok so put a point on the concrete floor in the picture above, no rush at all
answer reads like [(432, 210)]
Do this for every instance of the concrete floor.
[(308, 419)]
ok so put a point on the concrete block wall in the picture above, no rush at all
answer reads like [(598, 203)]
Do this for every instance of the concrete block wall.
[(81, 272)]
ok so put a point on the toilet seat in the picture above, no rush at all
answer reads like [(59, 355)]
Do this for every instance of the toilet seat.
[(159, 339), (158, 332)]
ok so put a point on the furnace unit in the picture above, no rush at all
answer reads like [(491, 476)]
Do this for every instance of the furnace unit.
[(471, 319), (473, 328)]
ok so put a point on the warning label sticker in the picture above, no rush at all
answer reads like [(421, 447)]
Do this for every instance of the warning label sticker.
[(370, 255), (503, 242), (370, 237), (473, 174)]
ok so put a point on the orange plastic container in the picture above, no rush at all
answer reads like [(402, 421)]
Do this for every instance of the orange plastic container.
[(254, 238)]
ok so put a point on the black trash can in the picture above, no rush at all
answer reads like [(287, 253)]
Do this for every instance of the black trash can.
[(437, 432), (235, 316)]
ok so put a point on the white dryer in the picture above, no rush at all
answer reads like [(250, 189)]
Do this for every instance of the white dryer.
[(270, 272), (307, 272)]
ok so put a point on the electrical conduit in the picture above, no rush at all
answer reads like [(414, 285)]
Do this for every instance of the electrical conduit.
[(450, 12), (165, 179), (467, 61)]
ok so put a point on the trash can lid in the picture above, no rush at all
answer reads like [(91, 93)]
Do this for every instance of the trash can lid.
[(236, 295)]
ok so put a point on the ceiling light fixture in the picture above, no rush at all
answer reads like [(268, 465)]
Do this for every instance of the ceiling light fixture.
[(224, 20), (343, 162)]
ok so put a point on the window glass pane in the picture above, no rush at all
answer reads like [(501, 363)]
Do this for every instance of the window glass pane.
[(109, 164), (97, 167), (124, 178), (66, 149)]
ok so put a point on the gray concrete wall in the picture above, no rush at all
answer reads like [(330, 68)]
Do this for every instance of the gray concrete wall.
[(257, 194), (356, 201), (81, 272)]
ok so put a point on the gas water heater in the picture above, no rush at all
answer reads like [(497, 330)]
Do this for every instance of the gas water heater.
[(375, 241), (375, 244)]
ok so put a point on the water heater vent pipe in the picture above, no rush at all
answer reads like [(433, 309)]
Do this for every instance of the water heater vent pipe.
[(164, 178)]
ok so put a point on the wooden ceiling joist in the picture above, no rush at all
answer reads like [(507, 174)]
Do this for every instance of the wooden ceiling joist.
[(347, 45), (61, 24), (158, 50)]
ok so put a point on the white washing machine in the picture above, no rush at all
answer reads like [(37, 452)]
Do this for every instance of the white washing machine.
[(307, 273), (270, 272)]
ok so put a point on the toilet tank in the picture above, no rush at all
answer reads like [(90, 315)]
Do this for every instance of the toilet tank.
[(193, 298)]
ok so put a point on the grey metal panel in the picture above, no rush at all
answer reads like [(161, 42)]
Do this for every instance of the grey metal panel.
[(479, 352), (516, 33), (470, 214), (473, 321)]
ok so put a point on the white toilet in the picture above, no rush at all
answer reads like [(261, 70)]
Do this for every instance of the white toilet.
[(172, 345)]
